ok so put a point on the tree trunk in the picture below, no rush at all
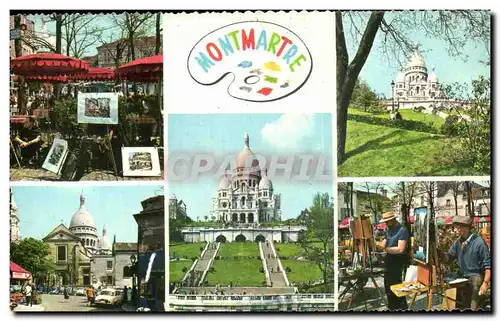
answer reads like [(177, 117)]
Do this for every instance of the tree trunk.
[(21, 94), (158, 34), (59, 21), (347, 74), (470, 201)]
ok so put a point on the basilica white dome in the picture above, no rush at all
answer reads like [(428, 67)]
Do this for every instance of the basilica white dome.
[(265, 182), (417, 60), (104, 244), (82, 217), (247, 158), (224, 182)]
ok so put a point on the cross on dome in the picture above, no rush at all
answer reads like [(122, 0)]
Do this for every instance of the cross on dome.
[(247, 140), (82, 199)]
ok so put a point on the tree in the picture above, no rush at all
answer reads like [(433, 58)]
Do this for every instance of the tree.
[(377, 203), (80, 33), (474, 129), (319, 228), (470, 199), (158, 34), (133, 25), (455, 188), (33, 255), (363, 96), (455, 28)]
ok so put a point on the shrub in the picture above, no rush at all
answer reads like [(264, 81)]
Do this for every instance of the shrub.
[(288, 269), (261, 269), (451, 126), (201, 248), (184, 269), (419, 109), (194, 258), (264, 283), (217, 257), (403, 124)]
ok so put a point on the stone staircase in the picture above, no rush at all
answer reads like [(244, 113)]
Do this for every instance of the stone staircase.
[(277, 274)]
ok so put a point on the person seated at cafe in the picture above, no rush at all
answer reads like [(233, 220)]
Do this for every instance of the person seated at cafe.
[(28, 141)]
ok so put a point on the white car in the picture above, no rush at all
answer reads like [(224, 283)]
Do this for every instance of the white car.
[(109, 297), (80, 292)]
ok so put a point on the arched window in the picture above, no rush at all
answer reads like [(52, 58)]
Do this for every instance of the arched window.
[(242, 202), (87, 242)]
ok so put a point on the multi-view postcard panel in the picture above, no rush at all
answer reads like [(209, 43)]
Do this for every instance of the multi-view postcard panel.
[(290, 145)]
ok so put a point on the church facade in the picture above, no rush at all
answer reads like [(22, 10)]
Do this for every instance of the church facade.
[(245, 194), (415, 87), (83, 258)]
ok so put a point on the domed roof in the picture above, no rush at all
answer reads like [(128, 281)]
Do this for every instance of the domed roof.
[(433, 77), (224, 182), (401, 76), (104, 242), (82, 217), (265, 182), (247, 158), (416, 60)]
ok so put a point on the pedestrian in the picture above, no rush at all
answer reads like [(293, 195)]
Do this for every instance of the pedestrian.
[(125, 294), (272, 270), (90, 295), (474, 260), (27, 293), (66, 294), (394, 245)]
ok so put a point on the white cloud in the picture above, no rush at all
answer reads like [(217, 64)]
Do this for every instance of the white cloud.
[(289, 131)]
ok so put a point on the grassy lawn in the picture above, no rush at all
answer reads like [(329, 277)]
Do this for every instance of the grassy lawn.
[(186, 250), (374, 150), (302, 271), (239, 249), (175, 269), (239, 272), (406, 114), (288, 249)]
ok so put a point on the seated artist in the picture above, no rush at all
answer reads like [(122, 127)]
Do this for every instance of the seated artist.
[(395, 260), (28, 141), (474, 261)]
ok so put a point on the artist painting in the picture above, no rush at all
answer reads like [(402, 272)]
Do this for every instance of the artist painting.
[(474, 260), (395, 260)]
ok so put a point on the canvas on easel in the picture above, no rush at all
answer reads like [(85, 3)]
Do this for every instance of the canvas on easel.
[(421, 234)]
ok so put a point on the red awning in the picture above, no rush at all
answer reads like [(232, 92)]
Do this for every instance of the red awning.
[(345, 223), (95, 73), (142, 70), (18, 272), (482, 219), (47, 78), (47, 64)]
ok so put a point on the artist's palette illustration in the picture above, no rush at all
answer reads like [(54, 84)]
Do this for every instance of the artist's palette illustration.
[(267, 61)]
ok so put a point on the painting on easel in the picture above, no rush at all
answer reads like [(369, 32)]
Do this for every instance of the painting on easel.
[(421, 234)]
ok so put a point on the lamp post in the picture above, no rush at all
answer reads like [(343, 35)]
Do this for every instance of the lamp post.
[(133, 260), (392, 85)]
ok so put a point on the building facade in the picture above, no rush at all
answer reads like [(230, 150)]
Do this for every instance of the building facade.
[(14, 220), (280, 234), (176, 208), (245, 194), (27, 29), (416, 87), (116, 53)]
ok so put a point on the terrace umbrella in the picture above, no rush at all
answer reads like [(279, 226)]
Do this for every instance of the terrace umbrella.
[(440, 221), (47, 64), (149, 69), (481, 219), (449, 220), (94, 73)]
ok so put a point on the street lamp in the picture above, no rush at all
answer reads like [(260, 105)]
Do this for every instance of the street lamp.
[(133, 260), (392, 85)]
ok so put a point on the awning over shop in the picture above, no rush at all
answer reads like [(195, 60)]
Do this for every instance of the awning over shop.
[(18, 273), (158, 265), (482, 219)]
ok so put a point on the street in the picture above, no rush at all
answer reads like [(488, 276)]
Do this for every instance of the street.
[(55, 302)]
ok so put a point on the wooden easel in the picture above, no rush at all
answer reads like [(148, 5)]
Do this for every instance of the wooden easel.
[(362, 245)]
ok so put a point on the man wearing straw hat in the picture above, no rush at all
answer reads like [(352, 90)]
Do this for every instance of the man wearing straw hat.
[(395, 246), (474, 261)]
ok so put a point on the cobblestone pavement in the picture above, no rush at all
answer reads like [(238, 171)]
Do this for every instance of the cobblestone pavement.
[(54, 302), (31, 174)]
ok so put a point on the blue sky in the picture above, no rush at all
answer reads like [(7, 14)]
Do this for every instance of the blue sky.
[(110, 31), (41, 208), (269, 133), (378, 71)]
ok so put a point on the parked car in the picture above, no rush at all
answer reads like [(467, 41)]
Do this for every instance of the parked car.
[(109, 297), (55, 291), (81, 292)]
